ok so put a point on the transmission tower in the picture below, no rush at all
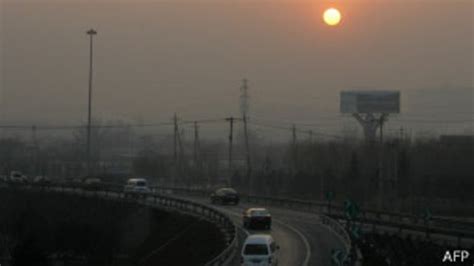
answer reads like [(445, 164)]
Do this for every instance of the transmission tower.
[(244, 98), (244, 110)]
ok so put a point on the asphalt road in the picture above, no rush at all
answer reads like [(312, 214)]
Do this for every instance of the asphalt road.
[(302, 238)]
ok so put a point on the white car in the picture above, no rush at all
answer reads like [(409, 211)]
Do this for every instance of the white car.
[(18, 177), (259, 250), (136, 187)]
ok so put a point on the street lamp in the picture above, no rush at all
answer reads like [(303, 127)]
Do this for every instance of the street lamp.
[(91, 34)]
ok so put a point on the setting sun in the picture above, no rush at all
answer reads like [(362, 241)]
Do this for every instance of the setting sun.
[(332, 16)]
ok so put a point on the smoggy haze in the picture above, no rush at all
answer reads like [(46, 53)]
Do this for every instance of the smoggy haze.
[(154, 58)]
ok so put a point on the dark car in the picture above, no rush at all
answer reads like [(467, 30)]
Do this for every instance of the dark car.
[(92, 183), (225, 196), (257, 218)]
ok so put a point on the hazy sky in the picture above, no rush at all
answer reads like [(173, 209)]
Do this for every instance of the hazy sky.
[(154, 58)]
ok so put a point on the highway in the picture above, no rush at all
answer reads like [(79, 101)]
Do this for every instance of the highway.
[(302, 238)]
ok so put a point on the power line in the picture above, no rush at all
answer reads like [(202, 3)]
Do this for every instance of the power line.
[(268, 123), (69, 127), (296, 122), (203, 121), (289, 128), (426, 121), (82, 126), (394, 119)]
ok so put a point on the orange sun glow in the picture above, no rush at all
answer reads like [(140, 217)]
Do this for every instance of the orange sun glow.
[(332, 16)]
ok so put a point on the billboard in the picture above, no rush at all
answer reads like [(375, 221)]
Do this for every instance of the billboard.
[(370, 102)]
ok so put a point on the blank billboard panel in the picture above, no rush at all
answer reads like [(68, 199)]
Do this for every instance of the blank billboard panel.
[(370, 102)]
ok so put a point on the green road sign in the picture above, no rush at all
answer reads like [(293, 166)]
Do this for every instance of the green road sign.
[(329, 195), (427, 215), (356, 232), (351, 209), (336, 257)]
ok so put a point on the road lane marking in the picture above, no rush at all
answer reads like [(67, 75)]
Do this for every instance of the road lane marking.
[(300, 235), (338, 236), (305, 241)]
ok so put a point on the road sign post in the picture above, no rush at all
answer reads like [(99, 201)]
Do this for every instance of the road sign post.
[(336, 257), (351, 210), (329, 198), (427, 216), (356, 231)]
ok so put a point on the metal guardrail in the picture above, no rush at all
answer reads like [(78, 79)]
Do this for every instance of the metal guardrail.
[(460, 230), (114, 191), (339, 230)]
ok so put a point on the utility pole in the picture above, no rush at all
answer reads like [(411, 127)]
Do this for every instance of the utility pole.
[(382, 181), (293, 130), (196, 144), (294, 152), (247, 153), (180, 145), (197, 164), (244, 107), (35, 150), (33, 136), (91, 34), (382, 120), (175, 139), (131, 148), (231, 134), (181, 153), (175, 149)]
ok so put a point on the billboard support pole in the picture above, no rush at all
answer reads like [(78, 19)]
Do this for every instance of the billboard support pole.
[(371, 110), (370, 124)]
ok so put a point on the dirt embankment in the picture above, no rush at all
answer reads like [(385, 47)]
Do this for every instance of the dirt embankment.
[(38, 228)]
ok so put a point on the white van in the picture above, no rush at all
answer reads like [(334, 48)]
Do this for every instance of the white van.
[(259, 250), (136, 187)]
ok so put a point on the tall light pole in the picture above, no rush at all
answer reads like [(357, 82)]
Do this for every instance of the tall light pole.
[(91, 34)]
